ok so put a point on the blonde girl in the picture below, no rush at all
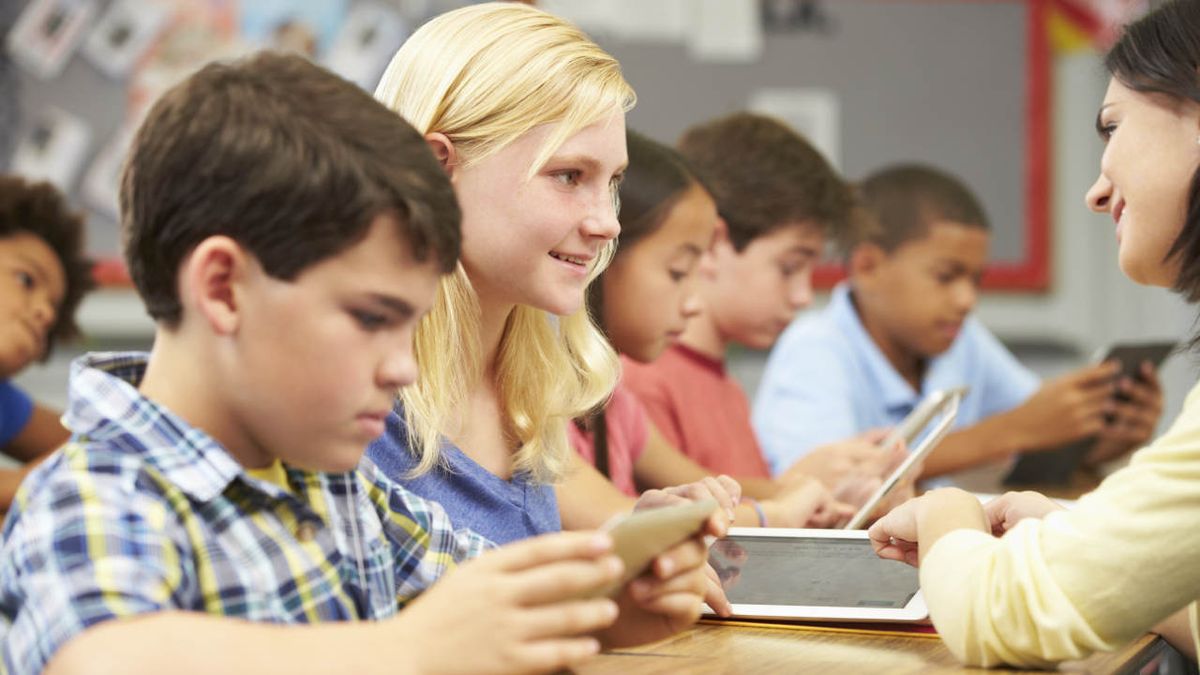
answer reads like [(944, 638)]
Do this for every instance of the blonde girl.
[(527, 115)]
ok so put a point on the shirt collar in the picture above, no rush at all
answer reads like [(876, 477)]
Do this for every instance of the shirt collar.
[(896, 392), (699, 358), (105, 405)]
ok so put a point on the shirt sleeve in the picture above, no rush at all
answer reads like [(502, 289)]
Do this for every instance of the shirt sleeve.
[(1007, 383), (15, 409), (82, 547), (647, 386), (804, 401), (425, 543), (1087, 579)]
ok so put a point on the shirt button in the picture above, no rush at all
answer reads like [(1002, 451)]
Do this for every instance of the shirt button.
[(306, 531)]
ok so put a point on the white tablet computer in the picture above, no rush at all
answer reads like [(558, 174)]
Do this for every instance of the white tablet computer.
[(814, 575), (939, 403)]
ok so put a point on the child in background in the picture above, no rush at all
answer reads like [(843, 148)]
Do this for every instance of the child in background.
[(286, 232), (43, 277), (900, 327), (527, 116), (777, 199), (643, 301), (1061, 584)]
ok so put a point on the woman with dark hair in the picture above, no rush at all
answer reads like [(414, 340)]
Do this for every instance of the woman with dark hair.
[(1020, 580)]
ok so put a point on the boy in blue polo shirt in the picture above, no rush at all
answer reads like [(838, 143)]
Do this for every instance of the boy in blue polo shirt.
[(43, 276), (286, 232), (901, 327)]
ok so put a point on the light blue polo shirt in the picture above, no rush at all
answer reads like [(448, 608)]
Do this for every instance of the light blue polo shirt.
[(827, 380)]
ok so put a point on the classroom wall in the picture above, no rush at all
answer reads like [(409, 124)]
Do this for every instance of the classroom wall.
[(1088, 304)]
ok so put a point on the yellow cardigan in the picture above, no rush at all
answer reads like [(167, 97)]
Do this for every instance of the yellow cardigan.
[(1088, 579)]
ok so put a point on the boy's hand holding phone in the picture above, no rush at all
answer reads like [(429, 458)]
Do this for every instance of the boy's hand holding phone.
[(1067, 408), (667, 596), (727, 493), (1138, 407), (517, 608)]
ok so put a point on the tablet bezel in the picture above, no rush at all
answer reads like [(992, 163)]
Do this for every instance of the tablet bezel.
[(942, 406), (913, 612)]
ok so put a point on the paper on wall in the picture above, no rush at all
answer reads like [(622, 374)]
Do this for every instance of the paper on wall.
[(53, 149), (47, 34), (726, 31), (366, 43), (813, 112)]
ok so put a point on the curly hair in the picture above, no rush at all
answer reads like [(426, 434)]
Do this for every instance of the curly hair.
[(41, 210)]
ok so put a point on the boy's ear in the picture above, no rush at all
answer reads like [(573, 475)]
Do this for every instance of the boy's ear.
[(210, 283), (721, 245), (444, 150), (865, 260)]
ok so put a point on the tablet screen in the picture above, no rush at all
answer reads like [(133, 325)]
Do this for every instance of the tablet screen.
[(814, 572)]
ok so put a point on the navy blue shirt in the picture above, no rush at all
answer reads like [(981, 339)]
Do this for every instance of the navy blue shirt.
[(501, 510), (15, 410)]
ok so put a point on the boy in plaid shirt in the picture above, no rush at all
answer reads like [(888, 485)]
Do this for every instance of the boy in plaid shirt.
[(286, 232)]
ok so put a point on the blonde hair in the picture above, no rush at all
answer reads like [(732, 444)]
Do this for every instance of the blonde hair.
[(484, 76)]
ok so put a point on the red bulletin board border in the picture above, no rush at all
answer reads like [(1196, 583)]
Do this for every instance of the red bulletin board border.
[(1031, 274)]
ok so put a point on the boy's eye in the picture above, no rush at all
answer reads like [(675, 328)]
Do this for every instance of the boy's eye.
[(369, 320), (26, 280), (677, 275), (1107, 131)]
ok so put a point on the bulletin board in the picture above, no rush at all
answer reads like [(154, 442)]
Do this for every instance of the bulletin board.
[(960, 84), (78, 75), (963, 85)]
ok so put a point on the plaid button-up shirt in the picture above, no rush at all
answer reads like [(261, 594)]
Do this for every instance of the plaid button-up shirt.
[(141, 512)]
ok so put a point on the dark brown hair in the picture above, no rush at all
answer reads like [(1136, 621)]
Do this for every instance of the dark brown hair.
[(40, 209), (1160, 55), (904, 200), (763, 175), (284, 157)]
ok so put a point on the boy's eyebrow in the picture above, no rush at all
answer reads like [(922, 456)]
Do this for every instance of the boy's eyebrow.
[(689, 247), (397, 305)]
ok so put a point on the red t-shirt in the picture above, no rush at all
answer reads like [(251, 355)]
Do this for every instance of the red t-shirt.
[(699, 409), (626, 424)]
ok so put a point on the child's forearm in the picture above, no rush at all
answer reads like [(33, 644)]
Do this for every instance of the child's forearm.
[(183, 642)]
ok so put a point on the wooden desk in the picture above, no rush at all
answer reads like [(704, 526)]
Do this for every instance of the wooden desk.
[(712, 648)]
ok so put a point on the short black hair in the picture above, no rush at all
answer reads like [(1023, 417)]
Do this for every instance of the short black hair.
[(39, 209), (904, 200), (286, 158)]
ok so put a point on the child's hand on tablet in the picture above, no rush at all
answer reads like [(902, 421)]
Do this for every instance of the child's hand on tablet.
[(1004, 512), (805, 504), (724, 490)]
